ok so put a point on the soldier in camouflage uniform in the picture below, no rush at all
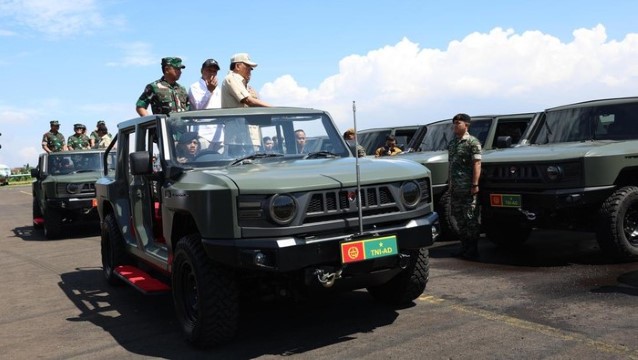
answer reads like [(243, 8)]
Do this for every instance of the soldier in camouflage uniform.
[(79, 140), (165, 95), (53, 140), (464, 154)]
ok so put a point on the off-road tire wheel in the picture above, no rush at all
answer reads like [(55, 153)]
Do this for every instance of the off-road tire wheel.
[(113, 249), (36, 214), (205, 295), (52, 224), (449, 229), (408, 285), (506, 234), (617, 233)]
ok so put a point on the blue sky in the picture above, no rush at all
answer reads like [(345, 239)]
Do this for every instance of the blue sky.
[(403, 62)]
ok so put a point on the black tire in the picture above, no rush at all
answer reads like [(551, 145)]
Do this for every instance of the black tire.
[(113, 249), (617, 233), (205, 295), (52, 224), (36, 214), (408, 285), (449, 230), (507, 234)]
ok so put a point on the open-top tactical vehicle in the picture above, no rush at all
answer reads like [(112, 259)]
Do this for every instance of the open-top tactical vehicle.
[(64, 189), (580, 171), (196, 207)]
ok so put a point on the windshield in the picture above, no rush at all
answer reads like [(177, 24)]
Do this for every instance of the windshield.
[(206, 141), (437, 137), (371, 140), (67, 162), (607, 122)]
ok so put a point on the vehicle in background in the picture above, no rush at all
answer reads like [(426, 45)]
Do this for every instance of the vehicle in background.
[(63, 189), (429, 148), (5, 172), (579, 171), (372, 139), (231, 221)]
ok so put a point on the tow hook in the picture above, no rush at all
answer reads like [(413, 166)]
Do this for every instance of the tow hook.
[(528, 214), (327, 278), (404, 261)]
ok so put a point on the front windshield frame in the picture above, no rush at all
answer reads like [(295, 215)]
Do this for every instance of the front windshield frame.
[(71, 162), (223, 139)]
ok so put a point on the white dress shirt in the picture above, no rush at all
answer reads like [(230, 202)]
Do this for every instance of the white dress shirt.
[(201, 98)]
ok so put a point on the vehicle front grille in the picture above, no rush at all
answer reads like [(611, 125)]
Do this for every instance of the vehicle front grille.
[(326, 204), (529, 174), (75, 189)]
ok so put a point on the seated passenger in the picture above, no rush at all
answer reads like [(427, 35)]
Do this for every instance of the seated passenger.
[(187, 147), (389, 149), (268, 145)]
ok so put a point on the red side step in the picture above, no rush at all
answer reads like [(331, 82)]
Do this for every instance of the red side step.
[(141, 280)]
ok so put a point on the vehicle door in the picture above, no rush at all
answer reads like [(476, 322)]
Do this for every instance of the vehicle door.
[(513, 126), (144, 188)]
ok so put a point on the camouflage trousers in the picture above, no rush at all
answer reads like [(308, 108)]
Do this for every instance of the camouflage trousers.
[(466, 214)]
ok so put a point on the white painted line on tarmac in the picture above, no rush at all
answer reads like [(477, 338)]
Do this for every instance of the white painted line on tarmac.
[(26, 192), (539, 328)]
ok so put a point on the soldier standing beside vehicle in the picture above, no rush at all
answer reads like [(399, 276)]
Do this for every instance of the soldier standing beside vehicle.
[(464, 156), (53, 140), (79, 140), (348, 136), (205, 94), (165, 95), (235, 89)]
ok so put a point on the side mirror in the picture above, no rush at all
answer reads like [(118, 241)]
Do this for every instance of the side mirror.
[(140, 163), (503, 142), (35, 172)]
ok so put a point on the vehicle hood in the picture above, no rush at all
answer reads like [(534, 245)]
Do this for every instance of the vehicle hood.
[(426, 157), (563, 151), (305, 175)]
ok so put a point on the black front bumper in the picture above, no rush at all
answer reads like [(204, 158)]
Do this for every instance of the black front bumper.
[(545, 207), (295, 253)]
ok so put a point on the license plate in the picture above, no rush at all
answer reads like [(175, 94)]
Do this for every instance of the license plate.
[(366, 249), (505, 200)]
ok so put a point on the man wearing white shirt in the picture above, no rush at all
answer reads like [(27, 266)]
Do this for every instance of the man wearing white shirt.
[(204, 94)]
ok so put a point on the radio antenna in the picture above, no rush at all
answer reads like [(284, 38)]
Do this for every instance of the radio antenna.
[(356, 161)]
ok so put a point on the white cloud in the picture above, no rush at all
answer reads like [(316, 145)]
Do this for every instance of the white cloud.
[(7, 33), (496, 72), (135, 54), (54, 18)]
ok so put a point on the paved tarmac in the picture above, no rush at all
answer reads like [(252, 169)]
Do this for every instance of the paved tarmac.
[(556, 298)]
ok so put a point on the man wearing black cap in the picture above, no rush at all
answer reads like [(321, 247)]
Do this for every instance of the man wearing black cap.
[(53, 140), (204, 94), (165, 95), (464, 156), (79, 140)]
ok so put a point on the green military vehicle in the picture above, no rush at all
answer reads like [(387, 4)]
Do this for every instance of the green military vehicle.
[(429, 148), (64, 189), (197, 208), (579, 171)]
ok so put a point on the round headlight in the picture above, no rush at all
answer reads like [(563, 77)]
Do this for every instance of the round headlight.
[(73, 188), (283, 209), (410, 194), (554, 172)]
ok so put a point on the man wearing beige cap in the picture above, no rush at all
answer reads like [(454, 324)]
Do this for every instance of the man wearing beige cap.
[(235, 89)]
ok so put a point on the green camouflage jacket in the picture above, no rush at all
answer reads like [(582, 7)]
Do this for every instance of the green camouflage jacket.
[(78, 142), (461, 155), (164, 98), (55, 142)]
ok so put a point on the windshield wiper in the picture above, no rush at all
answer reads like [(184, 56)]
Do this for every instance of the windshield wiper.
[(255, 156), (321, 154)]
